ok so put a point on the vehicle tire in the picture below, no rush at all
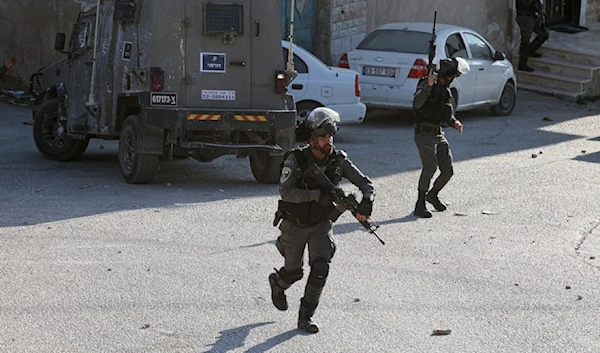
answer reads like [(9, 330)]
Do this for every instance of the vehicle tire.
[(47, 139), (507, 101), (136, 168), (265, 168), (303, 109)]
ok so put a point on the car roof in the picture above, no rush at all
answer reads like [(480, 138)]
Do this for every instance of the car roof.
[(440, 28)]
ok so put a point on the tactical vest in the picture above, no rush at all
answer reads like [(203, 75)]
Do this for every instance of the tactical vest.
[(436, 109), (312, 212)]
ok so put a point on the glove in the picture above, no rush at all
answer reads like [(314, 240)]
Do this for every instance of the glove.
[(326, 198), (365, 207)]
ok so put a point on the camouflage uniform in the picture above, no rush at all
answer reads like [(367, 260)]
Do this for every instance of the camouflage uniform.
[(306, 209), (432, 109)]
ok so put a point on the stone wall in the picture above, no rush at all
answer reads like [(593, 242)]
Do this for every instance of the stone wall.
[(348, 25)]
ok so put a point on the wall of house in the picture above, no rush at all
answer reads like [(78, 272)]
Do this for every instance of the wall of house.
[(592, 12), (352, 19), (29, 29)]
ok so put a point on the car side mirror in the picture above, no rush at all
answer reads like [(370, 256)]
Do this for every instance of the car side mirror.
[(499, 56), (59, 41)]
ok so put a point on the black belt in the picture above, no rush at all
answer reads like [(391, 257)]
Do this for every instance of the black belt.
[(432, 129)]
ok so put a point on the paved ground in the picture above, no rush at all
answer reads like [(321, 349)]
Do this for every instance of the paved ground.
[(91, 264)]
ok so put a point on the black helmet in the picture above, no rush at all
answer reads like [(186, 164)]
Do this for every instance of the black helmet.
[(320, 122), (453, 67)]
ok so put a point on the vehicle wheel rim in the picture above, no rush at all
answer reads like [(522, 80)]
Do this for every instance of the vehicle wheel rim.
[(302, 114), (507, 100), (128, 150), (50, 133)]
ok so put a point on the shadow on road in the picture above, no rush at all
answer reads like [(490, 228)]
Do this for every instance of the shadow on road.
[(232, 339), (40, 191)]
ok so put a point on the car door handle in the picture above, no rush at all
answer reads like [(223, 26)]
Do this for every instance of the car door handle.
[(297, 86), (481, 68)]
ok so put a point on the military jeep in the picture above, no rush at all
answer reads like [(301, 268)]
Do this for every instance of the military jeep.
[(170, 79)]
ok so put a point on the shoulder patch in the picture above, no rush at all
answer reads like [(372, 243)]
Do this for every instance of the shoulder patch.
[(285, 174)]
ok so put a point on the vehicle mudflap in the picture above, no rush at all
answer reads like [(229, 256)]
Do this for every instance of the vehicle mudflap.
[(150, 139)]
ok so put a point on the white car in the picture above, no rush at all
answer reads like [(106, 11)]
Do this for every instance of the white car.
[(393, 58), (319, 85)]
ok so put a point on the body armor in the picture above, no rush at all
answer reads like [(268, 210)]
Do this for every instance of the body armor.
[(313, 212)]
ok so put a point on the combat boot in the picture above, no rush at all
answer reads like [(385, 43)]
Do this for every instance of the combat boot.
[(305, 321), (523, 65), (277, 293), (432, 198), (420, 207)]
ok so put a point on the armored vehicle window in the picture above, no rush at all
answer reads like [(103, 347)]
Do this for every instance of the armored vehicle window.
[(220, 19), (81, 35), (299, 65), (455, 47)]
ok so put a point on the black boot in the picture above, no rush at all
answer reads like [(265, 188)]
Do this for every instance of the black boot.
[(420, 207), (523, 65), (432, 198), (305, 322), (277, 293)]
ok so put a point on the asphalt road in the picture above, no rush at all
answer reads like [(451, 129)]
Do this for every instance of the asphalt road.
[(89, 263)]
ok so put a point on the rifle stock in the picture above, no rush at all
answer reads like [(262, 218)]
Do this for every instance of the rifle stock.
[(348, 201)]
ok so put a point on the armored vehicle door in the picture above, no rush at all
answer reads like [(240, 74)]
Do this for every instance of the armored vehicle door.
[(218, 54), (80, 68)]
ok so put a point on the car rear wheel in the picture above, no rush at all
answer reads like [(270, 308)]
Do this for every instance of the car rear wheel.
[(507, 101), (50, 140), (303, 109)]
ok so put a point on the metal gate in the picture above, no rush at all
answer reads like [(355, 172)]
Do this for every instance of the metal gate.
[(562, 11), (305, 21)]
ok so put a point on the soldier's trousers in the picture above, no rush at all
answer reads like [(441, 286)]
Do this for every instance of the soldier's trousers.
[(526, 24), (434, 152), (321, 248)]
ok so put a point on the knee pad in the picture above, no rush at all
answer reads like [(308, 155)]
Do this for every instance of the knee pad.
[(319, 270)]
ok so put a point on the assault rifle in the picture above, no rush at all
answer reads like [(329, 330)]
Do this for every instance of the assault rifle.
[(341, 199), (432, 44)]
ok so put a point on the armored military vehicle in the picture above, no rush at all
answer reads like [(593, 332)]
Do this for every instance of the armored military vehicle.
[(170, 79)]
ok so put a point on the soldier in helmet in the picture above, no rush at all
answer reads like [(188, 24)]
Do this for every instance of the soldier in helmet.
[(432, 108), (305, 209)]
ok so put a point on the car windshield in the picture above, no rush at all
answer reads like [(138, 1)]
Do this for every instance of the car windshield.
[(400, 41)]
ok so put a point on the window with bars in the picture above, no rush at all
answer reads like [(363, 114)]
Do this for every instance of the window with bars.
[(223, 19)]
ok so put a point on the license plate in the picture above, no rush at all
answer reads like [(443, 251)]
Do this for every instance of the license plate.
[(163, 99), (379, 71), (218, 95)]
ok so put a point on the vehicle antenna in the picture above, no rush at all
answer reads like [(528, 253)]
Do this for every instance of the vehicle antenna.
[(290, 58), (92, 97)]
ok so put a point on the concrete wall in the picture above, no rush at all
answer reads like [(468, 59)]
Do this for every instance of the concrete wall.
[(352, 19), (592, 12), (29, 28)]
